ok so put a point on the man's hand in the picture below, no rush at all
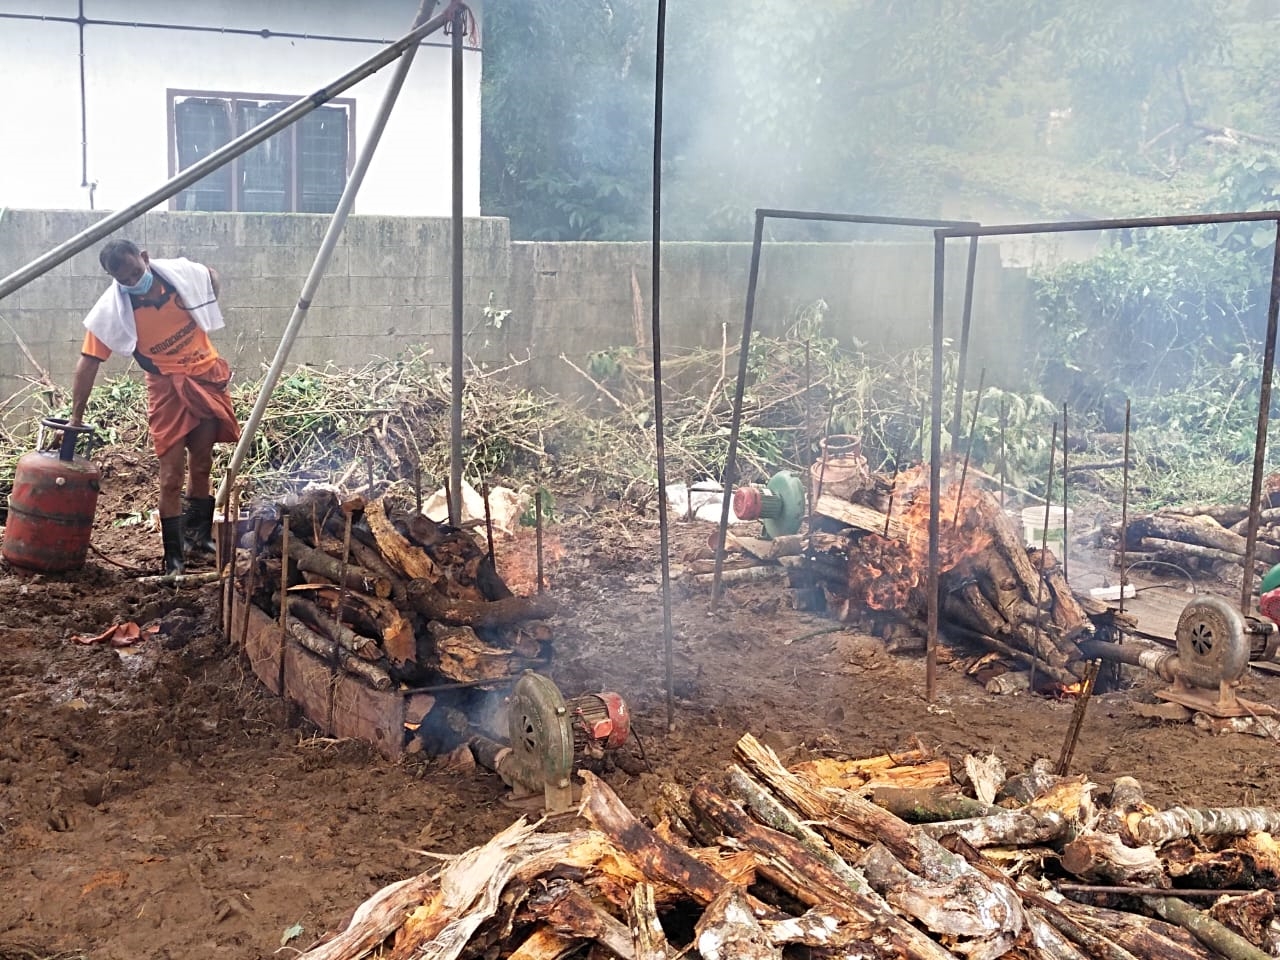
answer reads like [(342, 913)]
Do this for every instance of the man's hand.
[(82, 386)]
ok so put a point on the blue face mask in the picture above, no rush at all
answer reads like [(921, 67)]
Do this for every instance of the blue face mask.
[(143, 285)]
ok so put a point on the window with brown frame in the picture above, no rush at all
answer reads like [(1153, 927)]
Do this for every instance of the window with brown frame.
[(302, 169)]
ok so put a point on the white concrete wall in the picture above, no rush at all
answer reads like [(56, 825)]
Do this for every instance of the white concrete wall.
[(129, 69)]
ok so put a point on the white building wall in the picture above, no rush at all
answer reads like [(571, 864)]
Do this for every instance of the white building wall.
[(128, 71)]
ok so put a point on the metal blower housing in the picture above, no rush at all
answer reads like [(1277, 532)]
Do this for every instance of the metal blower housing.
[(546, 733)]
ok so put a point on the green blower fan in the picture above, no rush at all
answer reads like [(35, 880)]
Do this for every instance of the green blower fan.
[(779, 504)]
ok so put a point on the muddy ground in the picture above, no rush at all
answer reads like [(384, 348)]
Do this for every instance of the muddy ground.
[(158, 802)]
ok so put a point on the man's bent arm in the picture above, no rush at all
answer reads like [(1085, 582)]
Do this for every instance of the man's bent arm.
[(82, 386), (215, 281)]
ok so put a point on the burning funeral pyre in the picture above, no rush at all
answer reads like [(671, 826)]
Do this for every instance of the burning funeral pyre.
[(880, 858), (870, 554)]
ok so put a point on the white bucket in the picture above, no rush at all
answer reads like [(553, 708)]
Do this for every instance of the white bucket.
[(1054, 536)]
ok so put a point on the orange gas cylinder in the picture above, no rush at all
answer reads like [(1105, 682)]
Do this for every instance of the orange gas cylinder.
[(55, 494)]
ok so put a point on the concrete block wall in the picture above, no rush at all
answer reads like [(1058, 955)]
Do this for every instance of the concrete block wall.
[(388, 289)]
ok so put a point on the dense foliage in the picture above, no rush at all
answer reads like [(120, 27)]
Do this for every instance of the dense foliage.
[(905, 106)]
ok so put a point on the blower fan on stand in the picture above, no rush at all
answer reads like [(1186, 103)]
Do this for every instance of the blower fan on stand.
[(547, 733), (1215, 643)]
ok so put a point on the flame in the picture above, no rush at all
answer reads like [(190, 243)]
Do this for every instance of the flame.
[(890, 572)]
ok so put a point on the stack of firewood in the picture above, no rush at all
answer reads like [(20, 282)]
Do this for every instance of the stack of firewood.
[(1202, 536), (994, 590), (393, 598), (881, 858)]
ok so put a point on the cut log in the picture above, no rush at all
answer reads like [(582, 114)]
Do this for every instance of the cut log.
[(568, 910), (545, 944), (785, 863), (1104, 856), (432, 604), (649, 941), (411, 560), (312, 560), (728, 930), (1187, 861), (1224, 514), (1140, 936), (370, 559), (1125, 809), (332, 651), (1178, 550), (1012, 828), (985, 916), (1251, 916), (1205, 929), (463, 656), (773, 814), (1200, 531), (858, 516), (930, 806), (839, 812), (1049, 941), (1177, 822), (659, 861), (364, 647)]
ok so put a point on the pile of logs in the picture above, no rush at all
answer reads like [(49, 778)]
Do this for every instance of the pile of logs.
[(850, 859), (392, 599), (1202, 536), (994, 590)]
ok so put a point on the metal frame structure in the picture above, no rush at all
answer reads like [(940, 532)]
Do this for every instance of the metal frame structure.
[(973, 232), (753, 276)]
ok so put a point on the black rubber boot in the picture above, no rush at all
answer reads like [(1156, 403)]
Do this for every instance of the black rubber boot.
[(171, 534), (199, 525)]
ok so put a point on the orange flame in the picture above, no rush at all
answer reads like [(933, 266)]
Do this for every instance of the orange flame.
[(890, 572)]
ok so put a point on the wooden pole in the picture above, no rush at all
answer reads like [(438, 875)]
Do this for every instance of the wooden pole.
[(284, 593), (537, 520)]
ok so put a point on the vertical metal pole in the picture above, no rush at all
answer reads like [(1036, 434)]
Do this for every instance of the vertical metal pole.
[(321, 262), (84, 111), (935, 458), (537, 521), (1044, 544), (731, 460), (1260, 443), (970, 271), (668, 636), (1066, 533), (1113, 673), (456, 375), (284, 595)]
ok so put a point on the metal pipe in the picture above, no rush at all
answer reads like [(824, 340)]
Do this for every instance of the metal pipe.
[(668, 634), (321, 263), (456, 375), (965, 322), (739, 389), (1260, 442), (84, 112), (779, 214), (537, 521), (262, 33), (1124, 223), (223, 155), (935, 457)]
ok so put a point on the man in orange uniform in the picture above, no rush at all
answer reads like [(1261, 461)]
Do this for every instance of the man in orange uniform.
[(161, 312)]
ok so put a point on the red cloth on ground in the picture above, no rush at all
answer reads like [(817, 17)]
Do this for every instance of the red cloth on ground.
[(177, 403)]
